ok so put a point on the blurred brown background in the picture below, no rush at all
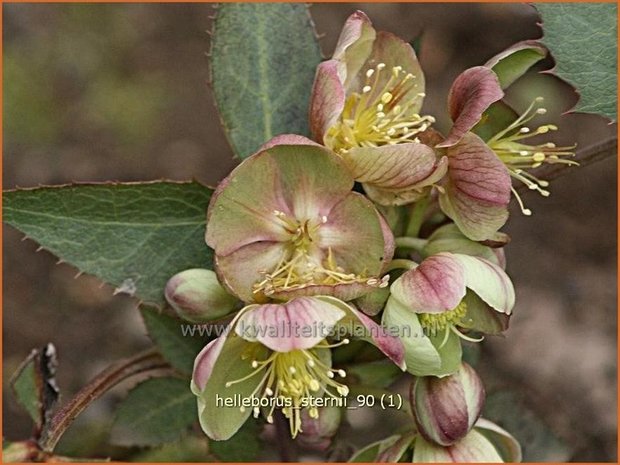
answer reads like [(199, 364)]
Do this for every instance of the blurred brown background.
[(119, 92)]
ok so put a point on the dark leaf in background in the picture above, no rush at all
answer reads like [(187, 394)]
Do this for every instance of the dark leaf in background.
[(582, 38), (263, 60), (157, 411)]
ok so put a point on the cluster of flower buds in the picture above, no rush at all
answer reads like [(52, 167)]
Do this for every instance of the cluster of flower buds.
[(308, 262)]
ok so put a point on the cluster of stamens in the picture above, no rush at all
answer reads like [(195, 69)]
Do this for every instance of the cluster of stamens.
[(518, 156), (433, 323), (303, 263), (385, 112), (291, 379)]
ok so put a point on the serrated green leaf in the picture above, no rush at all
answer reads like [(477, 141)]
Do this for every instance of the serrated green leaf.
[(244, 446), (134, 236), (157, 411), (582, 38), (34, 385), (538, 442), (166, 332), (263, 60)]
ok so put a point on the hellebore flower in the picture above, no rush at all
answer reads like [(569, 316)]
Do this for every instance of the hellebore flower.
[(477, 92), (445, 294), (486, 442), (276, 356), (445, 409), (476, 193), (285, 223), (365, 106), (197, 296)]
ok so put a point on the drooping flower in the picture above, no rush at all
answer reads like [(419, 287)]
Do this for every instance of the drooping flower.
[(476, 191), (365, 106), (445, 409), (277, 356), (285, 223), (475, 104), (445, 296)]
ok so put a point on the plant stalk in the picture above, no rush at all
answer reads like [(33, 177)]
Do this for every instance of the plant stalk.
[(147, 361)]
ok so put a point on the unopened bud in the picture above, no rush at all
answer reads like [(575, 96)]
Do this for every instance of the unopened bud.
[(445, 409), (197, 296), (318, 430)]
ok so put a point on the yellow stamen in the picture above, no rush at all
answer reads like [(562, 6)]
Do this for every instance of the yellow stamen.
[(303, 263), (518, 156), (289, 379), (384, 113)]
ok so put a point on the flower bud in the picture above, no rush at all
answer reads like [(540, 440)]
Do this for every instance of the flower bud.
[(196, 295), (445, 409), (317, 431)]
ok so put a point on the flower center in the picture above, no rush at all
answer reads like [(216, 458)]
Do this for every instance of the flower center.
[(518, 156), (290, 379), (304, 263), (381, 114), (432, 323)]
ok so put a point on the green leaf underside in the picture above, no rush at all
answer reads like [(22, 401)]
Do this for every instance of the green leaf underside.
[(165, 331), (263, 61), (244, 446), (134, 236), (582, 39), (157, 411)]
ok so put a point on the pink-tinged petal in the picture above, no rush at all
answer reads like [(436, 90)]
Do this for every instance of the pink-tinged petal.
[(298, 324), (390, 197), (393, 51), (285, 178), (287, 139), (472, 448), (359, 325), (354, 46), (489, 281), (513, 62), (435, 286), (240, 270), (477, 190), (355, 41), (353, 226), (391, 166), (507, 446), (472, 92), (235, 219), (205, 360), (327, 99), (344, 292)]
